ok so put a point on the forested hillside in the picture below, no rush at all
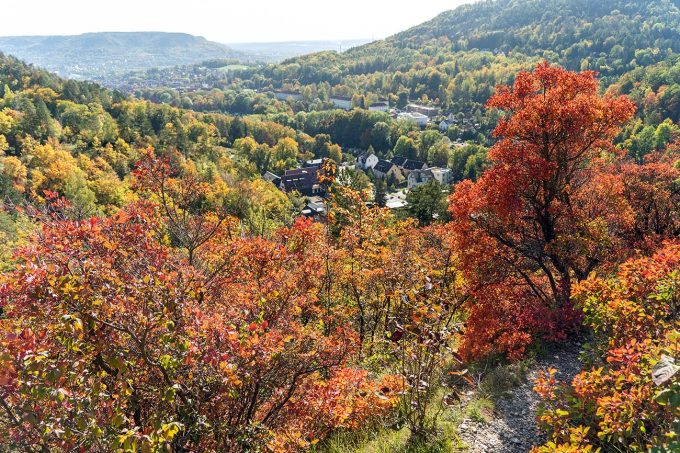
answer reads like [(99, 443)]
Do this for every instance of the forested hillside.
[(455, 60), (159, 291), (609, 36), (82, 141)]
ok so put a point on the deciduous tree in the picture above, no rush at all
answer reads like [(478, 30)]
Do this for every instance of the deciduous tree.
[(543, 216)]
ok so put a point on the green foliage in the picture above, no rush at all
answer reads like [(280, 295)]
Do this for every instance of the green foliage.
[(456, 59), (407, 148), (354, 179), (14, 229), (468, 162), (438, 154), (428, 202), (82, 141), (380, 193), (655, 89)]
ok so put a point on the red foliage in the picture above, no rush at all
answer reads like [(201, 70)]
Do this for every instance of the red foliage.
[(653, 192), (545, 214), (109, 338)]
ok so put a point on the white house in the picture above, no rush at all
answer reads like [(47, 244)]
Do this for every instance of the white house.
[(313, 163), (418, 178), (419, 118), (443, 175), (444, 125), (366, 161)]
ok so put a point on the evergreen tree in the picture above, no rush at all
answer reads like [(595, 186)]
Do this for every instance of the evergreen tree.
[(380, 193)]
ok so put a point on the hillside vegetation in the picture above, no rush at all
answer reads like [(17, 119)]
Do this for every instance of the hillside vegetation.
[(158, 294), (456, 60)]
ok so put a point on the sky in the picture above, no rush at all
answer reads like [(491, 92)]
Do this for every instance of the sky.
[(225, 21)]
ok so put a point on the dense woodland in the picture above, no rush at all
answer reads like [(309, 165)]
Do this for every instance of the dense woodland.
[(156, 294)]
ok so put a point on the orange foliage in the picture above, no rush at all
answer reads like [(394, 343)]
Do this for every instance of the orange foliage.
[(545, 214), (110, 339), (615, 402)]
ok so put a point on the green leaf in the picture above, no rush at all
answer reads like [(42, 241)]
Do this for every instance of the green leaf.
[(663, 397), (118, 420)]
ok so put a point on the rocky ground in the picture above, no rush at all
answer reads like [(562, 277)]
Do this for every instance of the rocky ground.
[(512, 427)]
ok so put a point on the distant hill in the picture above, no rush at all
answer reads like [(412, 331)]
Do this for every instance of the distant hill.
[(456, 59), (453, 61), (279, 51), (93, 55), (611, 36), (570, 29)]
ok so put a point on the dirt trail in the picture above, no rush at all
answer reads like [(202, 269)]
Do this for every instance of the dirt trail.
[(513, 427)]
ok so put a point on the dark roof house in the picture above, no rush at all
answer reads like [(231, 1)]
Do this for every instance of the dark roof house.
[(383, 166), (304, 180), (399, 161), (387, 170), (414, 165)]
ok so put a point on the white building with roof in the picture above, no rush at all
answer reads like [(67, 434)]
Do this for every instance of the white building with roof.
[(367, 160), (443, 175), (420, 119), (380, 106)]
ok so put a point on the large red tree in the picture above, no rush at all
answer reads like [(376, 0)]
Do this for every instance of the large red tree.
[(545, 214)]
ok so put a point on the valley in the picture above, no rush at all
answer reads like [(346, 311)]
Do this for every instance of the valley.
[(462, 238)]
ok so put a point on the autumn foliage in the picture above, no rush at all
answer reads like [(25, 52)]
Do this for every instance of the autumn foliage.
[(615, 402), (546, 214), (164, 326), (173, 324), (111, 339)]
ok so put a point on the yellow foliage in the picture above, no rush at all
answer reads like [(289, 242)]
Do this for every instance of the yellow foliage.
[(14, 171)]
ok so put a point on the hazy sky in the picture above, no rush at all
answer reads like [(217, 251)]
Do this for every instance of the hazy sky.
[(223, 20)]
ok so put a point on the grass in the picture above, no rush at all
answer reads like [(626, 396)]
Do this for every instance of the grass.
[(479, 409), (390, 441), (495, 381), (366, 441), (383, 439), (502, 378)]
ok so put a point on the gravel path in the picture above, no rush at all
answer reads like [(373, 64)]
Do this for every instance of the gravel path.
[(513, 427)]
